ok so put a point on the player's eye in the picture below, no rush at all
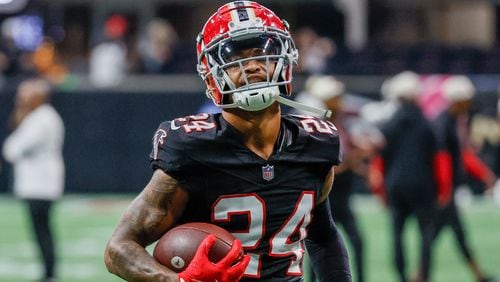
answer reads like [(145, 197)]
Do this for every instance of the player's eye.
[(256, 52), (234, 58), (231, 51)]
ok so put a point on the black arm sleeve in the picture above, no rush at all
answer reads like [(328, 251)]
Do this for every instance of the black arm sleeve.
[(326, 248)]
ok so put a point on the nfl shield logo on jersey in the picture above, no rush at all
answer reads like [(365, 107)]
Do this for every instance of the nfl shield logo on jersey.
[(268, 172)]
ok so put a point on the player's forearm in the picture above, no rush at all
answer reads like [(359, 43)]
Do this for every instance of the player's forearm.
[(328, 262), (149, 216), (132, 262), (326, 248)]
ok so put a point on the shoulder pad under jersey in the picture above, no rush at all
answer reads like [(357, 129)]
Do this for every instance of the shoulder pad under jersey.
[(322, 135), (173, 140)]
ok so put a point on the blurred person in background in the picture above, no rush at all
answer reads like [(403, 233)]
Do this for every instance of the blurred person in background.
[(35, 149), (18, 60), (315, 50), (261, 175), (455, 159), (158, 48), (108, 64), (4, 65), (378, 113), (47, 62), (403, 173), (496, 188), (325, 91)]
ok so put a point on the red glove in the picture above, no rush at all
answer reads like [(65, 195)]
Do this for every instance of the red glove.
[(201, 269)]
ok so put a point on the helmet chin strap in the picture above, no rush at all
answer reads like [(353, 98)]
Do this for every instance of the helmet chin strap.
[(304, 107), (256, 100)]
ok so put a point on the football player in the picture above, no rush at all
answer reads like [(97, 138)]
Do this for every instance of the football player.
[(260, 175), (406, 172), (455, 160)]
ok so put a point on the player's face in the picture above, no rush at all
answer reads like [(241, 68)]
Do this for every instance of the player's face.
[(243, 71), (255, 70)]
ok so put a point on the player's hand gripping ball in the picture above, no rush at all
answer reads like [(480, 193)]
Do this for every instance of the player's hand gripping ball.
[(178, 246)]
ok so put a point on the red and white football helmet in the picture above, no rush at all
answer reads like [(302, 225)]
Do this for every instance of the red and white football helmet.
[(239, 26)]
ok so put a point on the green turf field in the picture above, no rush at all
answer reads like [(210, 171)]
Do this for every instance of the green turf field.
[(83, 225)]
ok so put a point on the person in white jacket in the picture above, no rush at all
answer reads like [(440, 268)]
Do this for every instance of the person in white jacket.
[(35, 149)]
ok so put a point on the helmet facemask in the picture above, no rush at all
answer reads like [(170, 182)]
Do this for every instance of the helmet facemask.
[(271, 47)]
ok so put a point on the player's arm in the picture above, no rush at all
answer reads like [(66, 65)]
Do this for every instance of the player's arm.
[(474, 166), (324, 244), (149, 216)]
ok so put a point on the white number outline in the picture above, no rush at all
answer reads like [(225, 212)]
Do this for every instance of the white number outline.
[(303, 211), (222, 213), (196, 122), (314, 125), (289, 247)]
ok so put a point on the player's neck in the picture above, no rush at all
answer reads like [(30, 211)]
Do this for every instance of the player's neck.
[(259, 129)]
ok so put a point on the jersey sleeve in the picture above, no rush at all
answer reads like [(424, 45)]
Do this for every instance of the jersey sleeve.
[(168, 154), (330, 144), (323, 139)]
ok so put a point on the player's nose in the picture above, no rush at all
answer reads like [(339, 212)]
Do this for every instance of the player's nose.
[(252, 66)]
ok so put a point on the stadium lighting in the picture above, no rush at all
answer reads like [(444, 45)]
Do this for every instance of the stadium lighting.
[(12, 6)]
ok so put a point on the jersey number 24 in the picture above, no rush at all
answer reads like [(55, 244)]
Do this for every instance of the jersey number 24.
[(286, 242)]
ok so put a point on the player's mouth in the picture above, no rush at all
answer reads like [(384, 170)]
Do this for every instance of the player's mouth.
[(256, 78)]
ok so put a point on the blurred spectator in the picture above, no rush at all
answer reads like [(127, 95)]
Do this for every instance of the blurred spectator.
[(47, 63), (454, 161), (19, 60), (158, 48), (378, 113), (496, 188), (403, 174), (35, 150), (29, 51), (314, 50), (108, 59), (4, 65), (74, 49), (327, 92)]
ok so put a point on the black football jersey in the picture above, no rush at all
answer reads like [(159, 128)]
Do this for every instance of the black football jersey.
[(267, 204)]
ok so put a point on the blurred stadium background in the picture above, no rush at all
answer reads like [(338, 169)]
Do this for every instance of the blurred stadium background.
[(112, 107)]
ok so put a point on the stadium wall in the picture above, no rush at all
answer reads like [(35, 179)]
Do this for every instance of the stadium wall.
[(107, 136)]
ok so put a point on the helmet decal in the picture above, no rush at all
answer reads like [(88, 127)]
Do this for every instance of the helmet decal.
[(242, 13)]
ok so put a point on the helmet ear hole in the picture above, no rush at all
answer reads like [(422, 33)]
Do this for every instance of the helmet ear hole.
[(212, 91)]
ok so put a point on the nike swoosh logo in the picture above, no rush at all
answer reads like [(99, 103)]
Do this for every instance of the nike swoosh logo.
[(173, 126)]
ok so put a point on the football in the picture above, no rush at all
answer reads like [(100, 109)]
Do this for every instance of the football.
[(176, 248)]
